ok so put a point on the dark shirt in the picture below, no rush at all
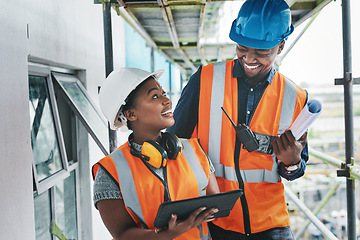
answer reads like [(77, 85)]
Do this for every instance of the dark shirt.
[(187, 109)]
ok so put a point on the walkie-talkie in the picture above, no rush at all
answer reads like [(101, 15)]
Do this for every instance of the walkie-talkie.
[(244, 135)]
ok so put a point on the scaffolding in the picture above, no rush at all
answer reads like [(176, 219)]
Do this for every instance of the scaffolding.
[(346, 168)]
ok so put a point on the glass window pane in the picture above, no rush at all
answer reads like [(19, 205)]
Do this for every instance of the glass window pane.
[(65, 210), (68, 126), (42, 216), (44, 141), (85, 107)]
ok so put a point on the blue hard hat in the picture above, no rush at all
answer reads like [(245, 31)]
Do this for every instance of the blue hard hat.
[(262, 24)]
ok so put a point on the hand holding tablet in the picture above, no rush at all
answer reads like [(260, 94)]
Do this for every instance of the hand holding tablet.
[(224, 202)]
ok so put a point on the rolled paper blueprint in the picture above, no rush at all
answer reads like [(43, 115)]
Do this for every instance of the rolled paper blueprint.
[(306, 117)]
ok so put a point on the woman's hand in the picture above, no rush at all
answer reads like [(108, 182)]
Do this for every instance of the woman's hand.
[(121, 226), (200, 215)]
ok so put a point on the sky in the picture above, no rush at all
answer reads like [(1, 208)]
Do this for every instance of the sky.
[(317, 58)]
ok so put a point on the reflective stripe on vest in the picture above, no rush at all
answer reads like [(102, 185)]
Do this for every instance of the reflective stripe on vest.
[(264, 207), (127, 185), (218, 90), (195, 165), (128, 188), (217, 95), (202, 236), (288, 105)]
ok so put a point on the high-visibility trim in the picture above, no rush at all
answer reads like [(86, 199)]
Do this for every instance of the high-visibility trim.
[(252, 175), (127, 185), (222, 171), (218, 89), (200, 228), (278, 107), (249, 176), (287, 110), (288, 105), (195, 165), (259, 175), (203, 234), (126, 169)]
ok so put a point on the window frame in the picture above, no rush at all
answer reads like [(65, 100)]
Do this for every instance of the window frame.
[(53, 213), (47, 183), (73, 167), (77, 111)]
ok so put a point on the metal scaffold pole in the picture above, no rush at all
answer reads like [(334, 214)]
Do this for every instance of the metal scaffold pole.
[(347, 81), (323, 229), (109, 64)]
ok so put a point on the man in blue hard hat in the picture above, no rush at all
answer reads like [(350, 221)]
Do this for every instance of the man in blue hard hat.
[(263, 104)]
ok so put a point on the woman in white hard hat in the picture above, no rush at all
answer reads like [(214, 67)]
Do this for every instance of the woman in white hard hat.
[(152, 167)]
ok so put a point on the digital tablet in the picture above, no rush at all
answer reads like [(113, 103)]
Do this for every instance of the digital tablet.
[(183, 208)]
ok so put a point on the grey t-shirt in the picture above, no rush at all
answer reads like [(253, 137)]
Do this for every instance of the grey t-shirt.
[(105, 187)]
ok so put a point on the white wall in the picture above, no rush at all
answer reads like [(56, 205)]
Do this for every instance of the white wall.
[(58, 33), (16, 205)]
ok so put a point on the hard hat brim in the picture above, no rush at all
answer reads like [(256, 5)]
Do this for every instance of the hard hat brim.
[(255, 43)]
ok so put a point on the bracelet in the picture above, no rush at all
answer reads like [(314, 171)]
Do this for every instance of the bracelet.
[(293, 167)]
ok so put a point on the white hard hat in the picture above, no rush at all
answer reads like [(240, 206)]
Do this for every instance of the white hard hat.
[(342, 213), (116, 88)]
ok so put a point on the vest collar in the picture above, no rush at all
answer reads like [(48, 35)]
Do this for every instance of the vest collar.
[(136, 146)]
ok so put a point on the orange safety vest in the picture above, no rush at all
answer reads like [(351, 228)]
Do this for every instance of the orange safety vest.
[(143, 192), (263, 202)]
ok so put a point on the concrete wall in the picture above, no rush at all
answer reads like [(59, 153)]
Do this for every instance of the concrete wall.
[(57, 33), (15, 173)]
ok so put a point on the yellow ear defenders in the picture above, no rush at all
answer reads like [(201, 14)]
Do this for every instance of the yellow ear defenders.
[(157, 154)]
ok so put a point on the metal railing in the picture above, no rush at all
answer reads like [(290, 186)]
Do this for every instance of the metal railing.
[(308, 213), (354, 174), (354, 169)]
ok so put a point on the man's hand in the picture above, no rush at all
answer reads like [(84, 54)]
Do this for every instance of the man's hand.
[(287, 149)]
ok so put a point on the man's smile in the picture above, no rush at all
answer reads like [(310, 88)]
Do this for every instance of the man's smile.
[(251, 67)]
